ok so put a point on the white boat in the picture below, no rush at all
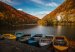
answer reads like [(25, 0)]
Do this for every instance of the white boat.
[(24, 37), (47, 40), (19, 34), (37, 37), (60, 43)]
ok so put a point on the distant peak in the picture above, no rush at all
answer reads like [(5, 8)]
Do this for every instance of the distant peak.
[(70, 0)]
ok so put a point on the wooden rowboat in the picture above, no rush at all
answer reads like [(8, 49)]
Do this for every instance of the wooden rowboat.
[(60, 43), (37, 37), (47, 40), (24, 37), (9, 36)]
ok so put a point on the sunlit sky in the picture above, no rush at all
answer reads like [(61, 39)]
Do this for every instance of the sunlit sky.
[(38, 8)]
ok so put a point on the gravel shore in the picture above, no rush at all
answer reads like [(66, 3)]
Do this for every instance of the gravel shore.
[(14, 46)]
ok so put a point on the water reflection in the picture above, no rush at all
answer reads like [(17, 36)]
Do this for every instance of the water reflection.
[(45, 30), (59, 30), (68, 31)]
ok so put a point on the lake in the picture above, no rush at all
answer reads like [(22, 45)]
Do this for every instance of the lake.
[(68, 31)]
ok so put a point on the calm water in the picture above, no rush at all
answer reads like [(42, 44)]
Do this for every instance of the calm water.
[(68, 31)]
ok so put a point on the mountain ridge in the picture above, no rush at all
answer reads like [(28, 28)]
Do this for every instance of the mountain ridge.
[(66, 9), (9, 15)]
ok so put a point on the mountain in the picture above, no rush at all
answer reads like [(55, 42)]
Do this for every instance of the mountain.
[(64, 12), (29, 18), (11, 16)]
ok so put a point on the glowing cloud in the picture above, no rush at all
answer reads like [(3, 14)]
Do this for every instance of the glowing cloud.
[(41, 2), (20, 9), (52, 4), (41, 14)]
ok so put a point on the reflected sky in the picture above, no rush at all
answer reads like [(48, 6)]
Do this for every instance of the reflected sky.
[(39, 30), (68, 31)]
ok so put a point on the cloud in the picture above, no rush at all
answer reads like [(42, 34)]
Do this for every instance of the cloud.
[(20, 9), (52, 4), (6, 1), (11, 2), (41, 14), (37, 1), (41, 2), (44, 12)]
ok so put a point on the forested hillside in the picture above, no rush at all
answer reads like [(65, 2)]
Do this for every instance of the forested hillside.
[(63, 13), (12, 16)]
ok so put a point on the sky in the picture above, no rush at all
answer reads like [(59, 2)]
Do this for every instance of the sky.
[(38, 8)]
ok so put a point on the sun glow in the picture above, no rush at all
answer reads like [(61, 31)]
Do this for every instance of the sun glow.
[(58, 17)]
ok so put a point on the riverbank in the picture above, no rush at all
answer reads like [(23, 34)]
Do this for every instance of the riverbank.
[(13, 28), (14, 46)]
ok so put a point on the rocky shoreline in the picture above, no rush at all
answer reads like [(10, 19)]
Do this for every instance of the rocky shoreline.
[(14, 46)]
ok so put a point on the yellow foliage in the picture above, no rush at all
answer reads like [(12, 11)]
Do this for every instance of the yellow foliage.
[(42, 22), (1, 15)]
